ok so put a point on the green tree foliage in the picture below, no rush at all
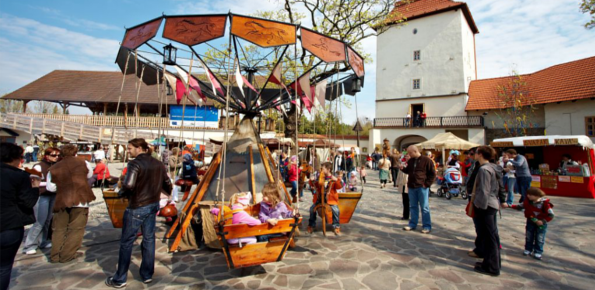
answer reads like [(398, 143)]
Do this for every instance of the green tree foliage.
[(588, 6)]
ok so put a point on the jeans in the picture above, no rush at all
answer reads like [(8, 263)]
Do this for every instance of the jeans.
[(37, 237), (334, 209), (394, 172), (135, 218), (535, 237), (10, 240), (265, 238), (69, 229), (34, 155), (294, 185), (405, 197), (28, 157), (523, 183), (489, 241), (511, 186), (374, 165), (419, 196)]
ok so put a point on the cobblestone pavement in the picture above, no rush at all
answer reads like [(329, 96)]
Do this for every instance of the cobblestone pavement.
[(373, 253)]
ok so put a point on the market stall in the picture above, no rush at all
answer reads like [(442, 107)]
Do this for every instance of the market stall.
[(446, 141), (544, 154)]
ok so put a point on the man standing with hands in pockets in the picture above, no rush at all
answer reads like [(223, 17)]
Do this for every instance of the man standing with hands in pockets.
[(421, 173), (145, 178)]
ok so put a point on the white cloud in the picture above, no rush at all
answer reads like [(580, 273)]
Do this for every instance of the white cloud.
[(30, 49), (528, 35)]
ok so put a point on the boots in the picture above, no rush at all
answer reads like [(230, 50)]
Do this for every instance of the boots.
[(309, 230)]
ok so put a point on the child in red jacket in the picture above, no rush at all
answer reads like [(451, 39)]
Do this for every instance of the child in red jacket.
[(539, 212)]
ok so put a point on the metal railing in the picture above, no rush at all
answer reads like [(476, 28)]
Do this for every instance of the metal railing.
[(431, 122)]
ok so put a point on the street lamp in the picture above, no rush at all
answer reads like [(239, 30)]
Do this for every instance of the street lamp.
[(169, 54)]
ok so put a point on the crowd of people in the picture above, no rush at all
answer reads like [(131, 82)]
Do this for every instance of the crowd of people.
[(56, 201)]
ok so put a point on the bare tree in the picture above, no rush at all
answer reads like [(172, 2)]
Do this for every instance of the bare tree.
[(516, 106)]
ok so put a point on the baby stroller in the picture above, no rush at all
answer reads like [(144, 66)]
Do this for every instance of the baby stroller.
[(450, 184)]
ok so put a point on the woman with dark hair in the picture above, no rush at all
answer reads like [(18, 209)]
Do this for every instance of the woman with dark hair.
[(19, 193), (485, 202), (37, 237)]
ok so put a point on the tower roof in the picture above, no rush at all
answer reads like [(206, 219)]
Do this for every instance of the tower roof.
[(413, 9)]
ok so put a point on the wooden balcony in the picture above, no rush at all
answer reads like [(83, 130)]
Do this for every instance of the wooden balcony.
[(431, 122)]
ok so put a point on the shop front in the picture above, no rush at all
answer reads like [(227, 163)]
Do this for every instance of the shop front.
[(545, 155)]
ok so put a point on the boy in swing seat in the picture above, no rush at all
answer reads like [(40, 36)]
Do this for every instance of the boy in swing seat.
[(326, 187)]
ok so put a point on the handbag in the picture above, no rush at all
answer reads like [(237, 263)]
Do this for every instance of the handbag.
[(469, 211)]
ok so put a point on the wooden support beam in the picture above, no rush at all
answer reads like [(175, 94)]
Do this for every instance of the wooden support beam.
[(192, 204), (252, 171), (25, 106)]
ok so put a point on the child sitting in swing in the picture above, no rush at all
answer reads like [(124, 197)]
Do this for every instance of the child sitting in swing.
[(272, 209), (326, 188), (239, 202)]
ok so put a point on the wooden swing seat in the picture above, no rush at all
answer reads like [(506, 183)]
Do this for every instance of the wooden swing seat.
[(347, 203), (116, 206), (258, 253)]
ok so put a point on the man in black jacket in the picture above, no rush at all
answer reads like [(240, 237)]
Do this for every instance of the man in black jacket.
[(19, 195), (144, 180)]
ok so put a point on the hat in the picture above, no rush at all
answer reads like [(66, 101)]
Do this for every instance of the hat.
[(187, 157), (245, 199)]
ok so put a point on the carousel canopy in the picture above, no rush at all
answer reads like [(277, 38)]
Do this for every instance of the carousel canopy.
[(312, 84)]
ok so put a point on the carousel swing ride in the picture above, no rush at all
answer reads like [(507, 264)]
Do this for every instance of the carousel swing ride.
[(257, 60)]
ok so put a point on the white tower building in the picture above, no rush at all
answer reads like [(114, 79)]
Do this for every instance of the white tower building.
[(426, 65)]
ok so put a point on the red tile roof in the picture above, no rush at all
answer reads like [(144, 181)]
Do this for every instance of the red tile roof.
[(412, 9), (564, 82)]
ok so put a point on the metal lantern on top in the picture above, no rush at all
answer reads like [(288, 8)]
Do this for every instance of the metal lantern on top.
[(169, 54), (356, 85)]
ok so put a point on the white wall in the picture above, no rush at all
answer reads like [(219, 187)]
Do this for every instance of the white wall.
[(568, 118), (435, 107), (493, 121), (445, 42), (477, 136)]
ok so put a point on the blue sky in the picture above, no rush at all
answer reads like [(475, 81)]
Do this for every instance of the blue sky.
[(37, 37)]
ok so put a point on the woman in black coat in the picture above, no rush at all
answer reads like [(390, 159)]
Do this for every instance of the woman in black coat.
[(19, 193)]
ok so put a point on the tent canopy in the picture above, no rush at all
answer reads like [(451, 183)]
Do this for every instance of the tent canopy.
[(446, 141), (579, 140)]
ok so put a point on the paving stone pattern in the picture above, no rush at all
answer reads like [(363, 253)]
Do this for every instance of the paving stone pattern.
[(373, 253)]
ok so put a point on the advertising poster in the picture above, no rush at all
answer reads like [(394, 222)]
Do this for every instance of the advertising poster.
[(194, 116)]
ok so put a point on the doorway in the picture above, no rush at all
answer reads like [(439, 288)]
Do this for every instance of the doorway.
[(414, 109)]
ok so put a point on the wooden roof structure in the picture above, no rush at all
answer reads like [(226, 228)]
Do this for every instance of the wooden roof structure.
[(92, 89)]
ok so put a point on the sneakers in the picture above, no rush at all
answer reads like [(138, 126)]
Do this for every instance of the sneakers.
[(537, 256), (111, 283), (337, 231), (309, 229), (426, 231), (31, 252), (408, 228), (526, 253), (148, 281), (47, 246)]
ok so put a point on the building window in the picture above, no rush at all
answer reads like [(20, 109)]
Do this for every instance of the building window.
[(416, 84), (417, 55), (590, 126)]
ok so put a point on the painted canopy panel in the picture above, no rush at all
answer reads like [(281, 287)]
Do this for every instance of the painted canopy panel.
[(356, 62), (140, 34), (192, 30), (261, 32), (324, 47)]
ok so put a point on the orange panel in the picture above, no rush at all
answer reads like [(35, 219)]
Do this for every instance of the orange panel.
[(324, 47), (192, 30), (138, 35), (264, 33), (347, 203), (115, 207), (356, 62)]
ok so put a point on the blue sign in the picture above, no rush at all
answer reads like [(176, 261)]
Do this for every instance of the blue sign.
[(194, 116)]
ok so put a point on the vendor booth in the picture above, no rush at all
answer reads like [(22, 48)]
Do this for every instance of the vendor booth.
[(544, 155), (446, 141)]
